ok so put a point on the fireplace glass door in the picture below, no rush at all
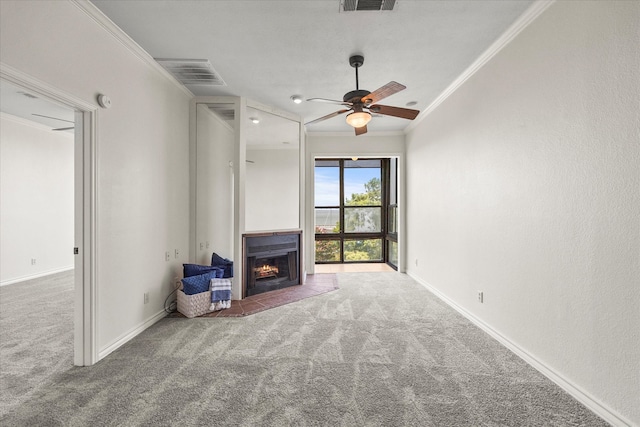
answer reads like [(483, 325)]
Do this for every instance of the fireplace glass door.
[(272, 261)]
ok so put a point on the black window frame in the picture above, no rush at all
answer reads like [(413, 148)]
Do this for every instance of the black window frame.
[(343, 236)]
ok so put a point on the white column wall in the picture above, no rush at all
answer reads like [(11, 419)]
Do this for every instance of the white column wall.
[(36, 200), (214, 199), (525, 184), (272, 189), (142, 205)]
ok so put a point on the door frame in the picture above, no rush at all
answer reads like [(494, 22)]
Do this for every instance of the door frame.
[(312, 155), (343, 235), (85, 329)]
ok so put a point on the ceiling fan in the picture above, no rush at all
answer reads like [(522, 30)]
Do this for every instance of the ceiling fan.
[(361, 103), (56, 118)]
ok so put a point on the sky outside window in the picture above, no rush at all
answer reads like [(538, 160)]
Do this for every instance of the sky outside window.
[(356, 178), (327, 183), (327, 186)]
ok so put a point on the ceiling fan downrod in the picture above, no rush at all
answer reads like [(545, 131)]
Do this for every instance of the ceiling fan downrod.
[(355, 96), (356, 62)]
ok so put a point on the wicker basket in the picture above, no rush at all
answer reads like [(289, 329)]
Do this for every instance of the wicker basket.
[(194, 305)]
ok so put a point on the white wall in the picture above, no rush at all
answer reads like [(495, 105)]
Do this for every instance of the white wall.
[(142, 205), (36, 200), (525, 184), (214, 186), (272, 189)]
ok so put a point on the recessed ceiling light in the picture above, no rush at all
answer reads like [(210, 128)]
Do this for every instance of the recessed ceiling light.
[(254, 120), (411, 103), (297, 99)]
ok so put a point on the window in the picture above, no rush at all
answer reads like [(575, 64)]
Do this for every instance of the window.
[(350, 213)]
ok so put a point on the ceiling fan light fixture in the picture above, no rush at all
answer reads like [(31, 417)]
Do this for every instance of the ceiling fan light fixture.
[(358, 119)]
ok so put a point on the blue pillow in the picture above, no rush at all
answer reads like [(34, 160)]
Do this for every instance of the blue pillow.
[(226, 264), (218, 260), (196, 270), (196, 284)]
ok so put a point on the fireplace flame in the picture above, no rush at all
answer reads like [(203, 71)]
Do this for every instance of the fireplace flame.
[(266, 271)]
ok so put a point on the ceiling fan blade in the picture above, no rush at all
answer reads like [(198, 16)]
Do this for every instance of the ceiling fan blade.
[(54, 118), (381, 93), (361, 130), (69, 128), (404, 113), (328, 116), (330, 101)]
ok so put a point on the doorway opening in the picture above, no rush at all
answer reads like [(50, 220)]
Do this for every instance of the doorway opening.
[(355, 211), (54, 111)]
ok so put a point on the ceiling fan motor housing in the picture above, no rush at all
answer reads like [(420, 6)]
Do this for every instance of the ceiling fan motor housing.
[(356, 61), (355, 96)]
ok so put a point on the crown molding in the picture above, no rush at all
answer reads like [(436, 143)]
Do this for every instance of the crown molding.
[(117, 33), (351, 134), (514, 29)]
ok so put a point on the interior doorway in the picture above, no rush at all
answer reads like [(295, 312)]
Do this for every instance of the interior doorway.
[(65, 113), (355, 211)]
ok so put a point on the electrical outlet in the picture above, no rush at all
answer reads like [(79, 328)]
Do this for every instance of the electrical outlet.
[(177, 253), (33, 261), (167, 256), (146, 297), (416, 262), (480, 296), (201, 246), (207, 245)]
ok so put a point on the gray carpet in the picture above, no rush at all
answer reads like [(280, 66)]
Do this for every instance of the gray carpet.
[(380, 351), (36, 335)]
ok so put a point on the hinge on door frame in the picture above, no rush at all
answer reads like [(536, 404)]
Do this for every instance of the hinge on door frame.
[(75, 251)]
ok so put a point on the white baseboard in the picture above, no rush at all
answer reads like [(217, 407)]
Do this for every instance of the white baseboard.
[(581, 395), (128, 336), (35, 276)]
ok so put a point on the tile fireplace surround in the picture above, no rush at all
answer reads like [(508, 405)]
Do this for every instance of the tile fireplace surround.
[(316, 284)]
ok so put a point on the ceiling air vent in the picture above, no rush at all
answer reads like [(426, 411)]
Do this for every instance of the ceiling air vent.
[(192, 71), (224, 112), (358, 5)]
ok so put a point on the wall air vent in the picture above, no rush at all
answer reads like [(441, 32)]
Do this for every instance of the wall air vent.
[(192, 71), (361, 5), (225, 113)]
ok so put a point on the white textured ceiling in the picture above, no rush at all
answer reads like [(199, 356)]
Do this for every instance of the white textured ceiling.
[(22, 103), (269, 50)]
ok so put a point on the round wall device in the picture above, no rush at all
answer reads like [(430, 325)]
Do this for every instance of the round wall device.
[(104, 101)]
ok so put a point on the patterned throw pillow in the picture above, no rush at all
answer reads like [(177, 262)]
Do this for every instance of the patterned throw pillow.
[(196, 284)]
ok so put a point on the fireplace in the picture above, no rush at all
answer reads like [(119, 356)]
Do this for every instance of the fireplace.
[(271, 260)]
